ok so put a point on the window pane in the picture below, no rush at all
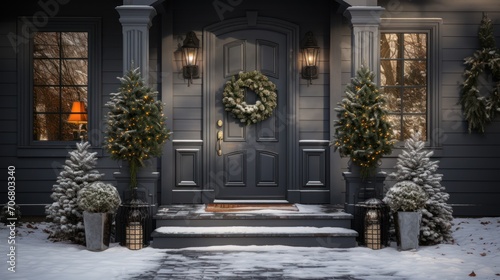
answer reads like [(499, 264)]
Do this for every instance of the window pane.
[(74, 72), (393, 99), (46, 45), (415, 100), (46, 127), (46, 99), (389, 47), (389, 72), (71, 94), (46, 71), (69, 130), (415, 46), (74, 44), (395, 122), (414, 123), (416, 72)]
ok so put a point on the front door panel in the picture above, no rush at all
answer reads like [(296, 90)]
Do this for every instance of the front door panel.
[(253, 158)]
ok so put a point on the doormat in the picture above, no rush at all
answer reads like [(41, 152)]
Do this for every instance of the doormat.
[(238, 207)]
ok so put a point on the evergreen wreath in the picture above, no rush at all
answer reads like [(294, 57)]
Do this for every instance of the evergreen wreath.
[(480, 110), (234, 97)]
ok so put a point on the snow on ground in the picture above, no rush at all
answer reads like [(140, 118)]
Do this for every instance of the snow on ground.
[(476, 250)]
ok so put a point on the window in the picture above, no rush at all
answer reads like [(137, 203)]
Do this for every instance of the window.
[(60, 78), (59, 67), (409, 76), (403, 77)]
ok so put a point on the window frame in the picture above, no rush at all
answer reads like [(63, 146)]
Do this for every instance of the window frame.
[(430, 26), (27, 146)]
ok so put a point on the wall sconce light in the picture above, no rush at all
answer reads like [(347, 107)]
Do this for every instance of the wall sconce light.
[(78, 115), (190, 48), (310, 52)]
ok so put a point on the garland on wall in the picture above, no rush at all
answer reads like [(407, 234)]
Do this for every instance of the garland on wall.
[(480, 109), (234, 97)]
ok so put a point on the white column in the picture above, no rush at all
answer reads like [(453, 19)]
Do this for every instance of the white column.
[(365, 23), (136, 21)]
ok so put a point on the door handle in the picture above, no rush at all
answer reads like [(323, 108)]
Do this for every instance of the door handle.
[(220, 137)]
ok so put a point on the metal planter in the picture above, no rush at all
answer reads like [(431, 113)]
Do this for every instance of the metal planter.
[(408, 229), (97, 230)]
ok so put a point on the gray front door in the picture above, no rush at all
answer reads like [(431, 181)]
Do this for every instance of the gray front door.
[(254, 158)]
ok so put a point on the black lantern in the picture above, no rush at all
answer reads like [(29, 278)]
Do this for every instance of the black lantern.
[(375, 227), (134, 231), (310, 53), (190, 48)]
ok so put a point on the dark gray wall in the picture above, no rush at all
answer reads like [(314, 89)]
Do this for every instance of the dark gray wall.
[(469, 162), (36, 173)]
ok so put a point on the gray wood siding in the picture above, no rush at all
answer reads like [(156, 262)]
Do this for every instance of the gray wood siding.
[(37, 173), (468, 162)]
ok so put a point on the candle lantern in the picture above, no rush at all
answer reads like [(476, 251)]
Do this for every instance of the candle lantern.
[(134, 231), (375, 224)]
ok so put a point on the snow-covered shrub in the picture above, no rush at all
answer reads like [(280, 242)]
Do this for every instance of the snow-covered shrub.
[(414, 164), (78, 172), (99, 197), (10, 212), (405, 196)]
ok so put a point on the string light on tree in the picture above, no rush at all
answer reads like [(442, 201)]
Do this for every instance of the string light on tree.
[(360, 116), (134, 119)]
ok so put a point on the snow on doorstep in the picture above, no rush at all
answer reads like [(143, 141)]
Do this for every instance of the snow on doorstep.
[(304, 210), (253, 230)]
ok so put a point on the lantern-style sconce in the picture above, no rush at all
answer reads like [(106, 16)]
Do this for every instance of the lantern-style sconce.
[(78, 116), (310, 53), (190, 48)]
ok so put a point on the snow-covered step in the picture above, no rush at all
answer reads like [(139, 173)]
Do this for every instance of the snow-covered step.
[(181, 237), (308, 215)]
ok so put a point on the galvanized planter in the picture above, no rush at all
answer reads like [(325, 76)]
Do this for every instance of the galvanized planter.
[(97, 230), (408, 229)]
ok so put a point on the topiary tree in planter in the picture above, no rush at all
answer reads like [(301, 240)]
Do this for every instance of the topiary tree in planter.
[(406, 199), (99, 202), (405, 196), (99, 197), (362, 131), (136, 128)]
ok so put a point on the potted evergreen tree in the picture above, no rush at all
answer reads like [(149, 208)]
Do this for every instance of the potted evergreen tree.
[(362, 131), (99, 202), (364, 135), (136, 128), (406, 199), (135, 133)]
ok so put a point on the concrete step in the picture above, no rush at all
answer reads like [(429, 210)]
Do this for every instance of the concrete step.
[(309, 215), (187, 236)]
